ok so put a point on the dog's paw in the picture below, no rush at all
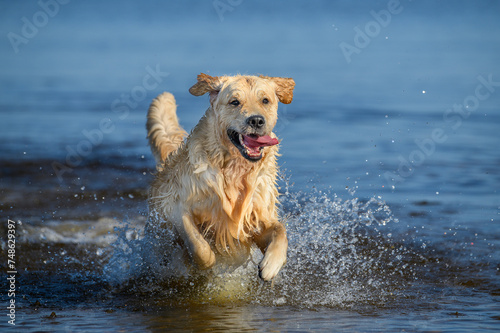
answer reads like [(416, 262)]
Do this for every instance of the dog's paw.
[(271, 264)]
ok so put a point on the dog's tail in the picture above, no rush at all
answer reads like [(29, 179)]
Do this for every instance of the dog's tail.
[(164, 132)]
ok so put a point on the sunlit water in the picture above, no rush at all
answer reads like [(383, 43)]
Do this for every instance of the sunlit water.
[(365, 253)]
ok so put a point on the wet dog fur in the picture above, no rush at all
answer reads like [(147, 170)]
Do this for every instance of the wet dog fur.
[(217, 186)]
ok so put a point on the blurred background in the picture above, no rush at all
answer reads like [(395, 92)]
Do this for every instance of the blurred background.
[(373, 78), (396, 102)]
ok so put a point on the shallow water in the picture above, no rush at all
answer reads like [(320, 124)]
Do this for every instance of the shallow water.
[(366, 252)]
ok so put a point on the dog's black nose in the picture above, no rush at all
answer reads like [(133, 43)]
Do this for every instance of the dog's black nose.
[(256, 122)]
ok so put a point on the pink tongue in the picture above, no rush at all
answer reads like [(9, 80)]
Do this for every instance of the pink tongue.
[(261, 141)]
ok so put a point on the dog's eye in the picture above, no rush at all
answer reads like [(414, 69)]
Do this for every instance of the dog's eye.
[(235, 102), (265, 101)]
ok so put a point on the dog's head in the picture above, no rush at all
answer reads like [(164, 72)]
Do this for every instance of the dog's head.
[(246, 108)]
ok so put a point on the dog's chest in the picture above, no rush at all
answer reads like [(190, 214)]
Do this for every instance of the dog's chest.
[(226, 200)]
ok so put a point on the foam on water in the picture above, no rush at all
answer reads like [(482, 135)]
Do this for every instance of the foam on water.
[(100, 232)]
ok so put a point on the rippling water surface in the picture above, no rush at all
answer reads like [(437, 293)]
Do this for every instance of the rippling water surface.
[(390, 165)]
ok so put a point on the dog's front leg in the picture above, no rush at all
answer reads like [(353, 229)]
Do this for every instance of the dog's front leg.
[(274, 244), (197, 246)]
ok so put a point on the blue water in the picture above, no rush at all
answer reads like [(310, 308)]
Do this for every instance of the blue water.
[(404, 119)]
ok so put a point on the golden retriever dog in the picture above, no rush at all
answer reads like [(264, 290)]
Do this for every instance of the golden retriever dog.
[(217, 186)]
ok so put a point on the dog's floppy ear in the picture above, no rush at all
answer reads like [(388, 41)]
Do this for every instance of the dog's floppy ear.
[(284, 89), (206, 83)]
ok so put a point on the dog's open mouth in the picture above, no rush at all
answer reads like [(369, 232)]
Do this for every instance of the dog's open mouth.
[(250, 146)]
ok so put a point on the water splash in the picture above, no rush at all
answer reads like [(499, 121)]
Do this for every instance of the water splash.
[(338, 257), (337, 254)]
